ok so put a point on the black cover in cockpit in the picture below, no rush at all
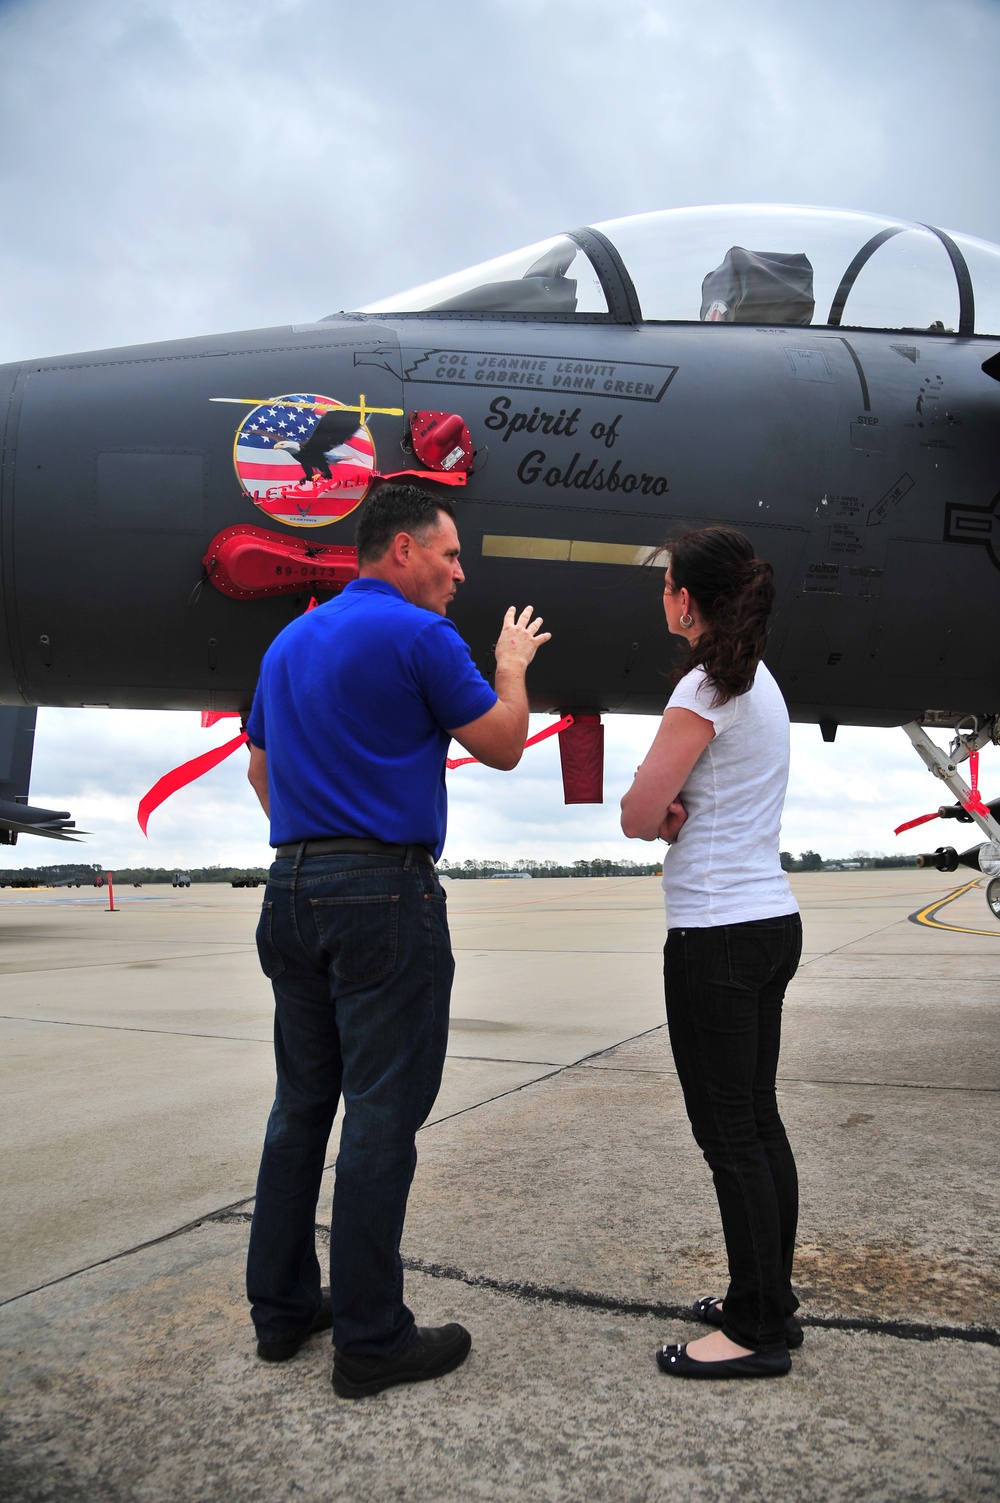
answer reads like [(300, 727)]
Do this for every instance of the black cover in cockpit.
[(759, 287)]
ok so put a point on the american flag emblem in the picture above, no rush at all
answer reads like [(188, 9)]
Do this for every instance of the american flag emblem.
[(303, 459)]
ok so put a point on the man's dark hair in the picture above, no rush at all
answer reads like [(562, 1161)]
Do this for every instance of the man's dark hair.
[(394, 509)]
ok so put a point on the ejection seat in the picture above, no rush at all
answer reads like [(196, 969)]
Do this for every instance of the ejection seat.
[(758, 287)]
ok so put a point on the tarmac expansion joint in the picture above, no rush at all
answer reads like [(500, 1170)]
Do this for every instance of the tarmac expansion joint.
[(583, 1299)]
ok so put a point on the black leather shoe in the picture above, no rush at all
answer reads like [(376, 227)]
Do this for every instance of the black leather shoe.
[(431, 1352), (286, 1346), (709, 1310), (675, 1361)]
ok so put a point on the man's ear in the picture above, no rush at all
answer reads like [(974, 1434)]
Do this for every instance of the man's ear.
[(401, 546)]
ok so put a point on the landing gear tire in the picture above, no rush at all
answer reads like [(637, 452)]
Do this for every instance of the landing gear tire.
[(993, 896)]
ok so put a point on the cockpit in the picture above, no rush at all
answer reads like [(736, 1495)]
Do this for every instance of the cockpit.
[(744, 263)]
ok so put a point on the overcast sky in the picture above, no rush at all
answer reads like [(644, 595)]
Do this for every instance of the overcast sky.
[(180, 168)]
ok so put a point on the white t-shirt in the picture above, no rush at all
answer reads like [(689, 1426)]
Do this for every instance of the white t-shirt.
[(724, 867)]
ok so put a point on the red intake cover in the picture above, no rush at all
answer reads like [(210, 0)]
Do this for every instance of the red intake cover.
[(441, 441), (250, 563)]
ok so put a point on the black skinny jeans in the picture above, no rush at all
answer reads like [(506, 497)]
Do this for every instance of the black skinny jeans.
[(724, 990)]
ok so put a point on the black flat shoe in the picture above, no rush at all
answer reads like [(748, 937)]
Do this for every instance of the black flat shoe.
[(709, 1310), (431, 1352), (675, 1361), (286, 1346)]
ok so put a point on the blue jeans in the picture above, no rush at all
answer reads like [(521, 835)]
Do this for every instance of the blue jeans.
[(359, 957), (724, 990)]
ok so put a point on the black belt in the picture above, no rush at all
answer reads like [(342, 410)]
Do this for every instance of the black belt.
[(347, 846)]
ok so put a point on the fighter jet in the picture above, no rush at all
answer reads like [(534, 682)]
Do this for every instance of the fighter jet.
[(827, 381)]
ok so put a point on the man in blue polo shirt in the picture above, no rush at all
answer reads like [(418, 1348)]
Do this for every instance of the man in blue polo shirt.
[(349, 731)]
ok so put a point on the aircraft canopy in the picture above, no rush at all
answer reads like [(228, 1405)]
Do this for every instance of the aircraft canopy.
[(719, 264)]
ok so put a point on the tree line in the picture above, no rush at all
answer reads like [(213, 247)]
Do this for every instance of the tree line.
[(92, 873), (812, 861), (596, 868), (87, 873)]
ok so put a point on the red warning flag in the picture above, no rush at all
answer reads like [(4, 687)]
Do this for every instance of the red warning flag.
[(911, 824), (550, 730), (179, 777), (972, 805)]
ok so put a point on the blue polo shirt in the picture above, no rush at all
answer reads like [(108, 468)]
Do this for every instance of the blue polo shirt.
[(353, 708)]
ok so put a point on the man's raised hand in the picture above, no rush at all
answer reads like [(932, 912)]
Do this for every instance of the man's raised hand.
[(497, 738), (520, 638)]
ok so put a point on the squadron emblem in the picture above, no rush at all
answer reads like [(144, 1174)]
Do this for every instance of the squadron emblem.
[(304, 459), (308, 460)]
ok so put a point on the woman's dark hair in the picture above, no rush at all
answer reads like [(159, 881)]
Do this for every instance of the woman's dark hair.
[(398, 508), (733, 592)]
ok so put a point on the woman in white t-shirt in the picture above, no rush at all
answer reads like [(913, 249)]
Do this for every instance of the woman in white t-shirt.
[(712, 786)]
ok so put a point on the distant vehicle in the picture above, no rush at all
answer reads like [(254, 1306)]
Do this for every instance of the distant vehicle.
[(246, 882), (181, 879), (507, 876)]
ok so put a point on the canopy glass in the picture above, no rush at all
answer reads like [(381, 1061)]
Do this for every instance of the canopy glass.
[(722, 264), (551, 276)]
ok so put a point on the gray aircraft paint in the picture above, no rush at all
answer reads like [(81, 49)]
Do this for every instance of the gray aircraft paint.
[(861, 463)]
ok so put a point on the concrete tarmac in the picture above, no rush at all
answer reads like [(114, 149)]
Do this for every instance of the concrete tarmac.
[(560, 1210)]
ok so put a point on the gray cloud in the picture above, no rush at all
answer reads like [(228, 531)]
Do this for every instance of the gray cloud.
[(174, 168)]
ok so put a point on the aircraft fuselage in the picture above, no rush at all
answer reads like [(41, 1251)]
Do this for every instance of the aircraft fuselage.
[(863, 465)]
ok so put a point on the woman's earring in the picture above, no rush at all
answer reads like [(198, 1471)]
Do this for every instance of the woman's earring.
[(687, 621)]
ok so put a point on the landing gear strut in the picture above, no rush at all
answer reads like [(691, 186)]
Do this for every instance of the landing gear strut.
[(971, 734)]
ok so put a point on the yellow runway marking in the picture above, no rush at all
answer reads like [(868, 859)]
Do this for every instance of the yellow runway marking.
[(927, 915)]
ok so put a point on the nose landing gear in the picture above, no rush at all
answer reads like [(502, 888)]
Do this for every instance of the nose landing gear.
[(970, 808), (993, 896)]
